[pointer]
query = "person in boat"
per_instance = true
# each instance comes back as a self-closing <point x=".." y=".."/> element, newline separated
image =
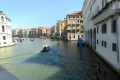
<point x="44" y="48"/>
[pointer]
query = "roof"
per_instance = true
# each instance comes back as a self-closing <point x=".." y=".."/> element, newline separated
<point x="76" y="12"/>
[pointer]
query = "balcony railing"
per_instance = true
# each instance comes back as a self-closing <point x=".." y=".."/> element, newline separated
<point x="68" y="28"/>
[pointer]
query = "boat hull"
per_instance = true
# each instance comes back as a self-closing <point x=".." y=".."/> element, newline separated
<point x="45" y="50"/>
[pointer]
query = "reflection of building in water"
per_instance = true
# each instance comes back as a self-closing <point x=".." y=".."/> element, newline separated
<point x="6" y="52"/>
<point x="5" y="30"/>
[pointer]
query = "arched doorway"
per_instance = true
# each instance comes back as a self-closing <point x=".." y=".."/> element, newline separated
<point x="94" y="38"/>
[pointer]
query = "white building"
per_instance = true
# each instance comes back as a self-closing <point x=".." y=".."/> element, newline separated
<point x="101" y="19"/>
<point x="15" y="32"/>
<point x="26" y="33"/>
<point x="5" y="30"/>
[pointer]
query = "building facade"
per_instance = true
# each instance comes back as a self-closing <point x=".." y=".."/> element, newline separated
<point x="58" y="29"/>
<point x="53" y="32"/>
<point x="63" y="29"/>
<point x="21" y="33"/>
<point x="15" y="32"/>
<point x="26" y="33"/>
<point x="48" y="32"/>
<point x="102" y="29"/>
<point x="5" y="30"/>
<point x="39" y="32"/>
<point x="32" y="33"/>
<point x="44" y="31"/>
<point x="74" y="26"/>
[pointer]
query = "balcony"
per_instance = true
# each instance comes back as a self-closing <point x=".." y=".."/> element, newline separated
<point x="78" y="27"/>
<point x="77" y="24"/>
<point x="111" y="9"/>
<point x="68" y="27"/>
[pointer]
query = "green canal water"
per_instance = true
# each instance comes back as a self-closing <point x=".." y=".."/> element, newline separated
<point x="62" y="62"/>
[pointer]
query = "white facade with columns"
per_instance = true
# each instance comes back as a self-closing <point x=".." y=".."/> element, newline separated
<point x="101" y="21"/>
<point x="5" y="30"/>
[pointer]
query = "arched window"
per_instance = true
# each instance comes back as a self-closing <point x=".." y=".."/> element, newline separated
<point x="2" y="19"/>
<point x="3" y="29"/>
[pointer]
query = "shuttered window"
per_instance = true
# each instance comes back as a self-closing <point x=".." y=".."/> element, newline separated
<point x="114" y="26"/>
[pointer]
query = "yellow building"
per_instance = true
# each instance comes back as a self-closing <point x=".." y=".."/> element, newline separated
<point x="63" y="29"/>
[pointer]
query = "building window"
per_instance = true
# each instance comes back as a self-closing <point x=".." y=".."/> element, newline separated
<point x="97" y="41"/>
<point x="81" y="16"/>
<point x="69" y="17"/>
<point x="97" y="30"/>
<point x="61" y="29"/>
<point x="104" y="28"/>
<point x="81" y="21"/>
<point x="3" y="29"/>
<point x="114" y="26"/>
<point x="70" y="37"/>
<point x="114" y="46"/>
<point x="105" y="44"/>
<point x="74" y="36"/>
<point x="4" y="37"/>
<point x="81" y="31"/>
<point x="4" y="42"/>
<point x="102" y="43"/>
<point x="73" y="17"/>
<point x="2" y="19"/>
<point x="78" y="16"/>
<point x="78" y="21"/>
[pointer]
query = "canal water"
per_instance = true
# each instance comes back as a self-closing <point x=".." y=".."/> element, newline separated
<point x="63" y="62"/>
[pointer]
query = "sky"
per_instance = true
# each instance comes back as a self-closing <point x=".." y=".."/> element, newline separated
<point x="38" y="13"/>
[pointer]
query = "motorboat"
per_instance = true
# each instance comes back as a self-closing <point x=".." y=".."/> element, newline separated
<point x="32" y="39"/>
<point x="46" y="48"/>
